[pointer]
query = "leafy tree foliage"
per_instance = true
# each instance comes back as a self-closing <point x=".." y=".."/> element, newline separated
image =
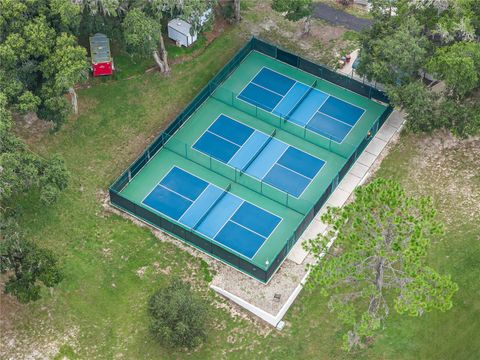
<point x="22" y="170"/>
<point x="142" y="33"/>
<point x="39" y="55"/>
<point x="459" y="66"/>
<point x="29" y="265"/>
<point x="178" y="316"/>
<point x="294" y="9"/>
<point x="438" y="36"/>
<point x="420" y="104"/>
<point x="396" y="56"/>
<point x="382" y="239"/>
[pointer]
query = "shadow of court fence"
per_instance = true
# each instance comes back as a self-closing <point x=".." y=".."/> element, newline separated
<point x="193" y="237"/>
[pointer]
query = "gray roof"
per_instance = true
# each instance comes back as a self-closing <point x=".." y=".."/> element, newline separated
<point x="100" y="48"/>
<point x="180" y="25"/>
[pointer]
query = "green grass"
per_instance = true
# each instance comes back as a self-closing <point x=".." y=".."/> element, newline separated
<point x="103" y="296"/>
<point x="175" y="51"/>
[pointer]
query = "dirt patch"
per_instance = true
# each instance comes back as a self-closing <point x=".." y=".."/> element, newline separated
<point x="324" y="43"/>
<point x="30" y="128"/>
<point x="448" y="167"/>
<point x="18" y="344"/>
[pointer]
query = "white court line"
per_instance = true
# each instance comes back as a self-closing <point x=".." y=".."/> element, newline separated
<point x="267" y="68"/>
<point x="198" y="197"/>
<point x="267" y="89"/>
<point x="221" y="137"/>
<point x="296" y="172"/>
<point x="334" y="119"/>
<point x="206" y="236"/>
<point x="338" y="86"/>
<point x="261" y="179"/>
<point x="328" y="96"/>
<point x="231" y="215"/>
<point x="248" y="229"/>
<point x="270" y="168"/>
<point x="286" y="94"/>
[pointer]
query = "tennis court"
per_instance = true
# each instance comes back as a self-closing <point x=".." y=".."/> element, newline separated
<point x="302" y="104"/>
<point x="260" y="155"/>
<point x="221" y="216"/>
<point x="233" y="178"/>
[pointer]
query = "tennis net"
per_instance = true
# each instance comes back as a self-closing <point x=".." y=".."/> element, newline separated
<point x="225" y="191"/>
<point x="299" y="102"/>
<point x="272" y="135"/>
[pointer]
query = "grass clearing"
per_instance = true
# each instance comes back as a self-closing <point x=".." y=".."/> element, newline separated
<point x="112" y="266"/>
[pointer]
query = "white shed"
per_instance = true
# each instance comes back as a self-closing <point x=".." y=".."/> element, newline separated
<point x="179" y="31"/>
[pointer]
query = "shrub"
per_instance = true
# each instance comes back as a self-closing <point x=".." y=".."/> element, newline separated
<point x="178" y="316"/>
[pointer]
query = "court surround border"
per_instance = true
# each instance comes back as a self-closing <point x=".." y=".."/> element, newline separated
<point x="260" y="273"/>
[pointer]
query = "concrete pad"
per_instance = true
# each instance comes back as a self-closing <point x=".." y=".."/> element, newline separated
<point x="358" y="169"/>
<point x="338" y="198"/>
<point x="386" y="132"/>
<point x="366" y="159"/>
<point x="315" y="228"/>
<point x="376" y="146"/>
<point x="297" y="254"/>
<point x="322" y="228"/>
<point x="349" y="182"/>
<point x="395" y="120"/>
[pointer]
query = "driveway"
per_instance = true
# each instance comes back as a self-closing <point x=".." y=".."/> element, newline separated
<point x="338" y="17"/>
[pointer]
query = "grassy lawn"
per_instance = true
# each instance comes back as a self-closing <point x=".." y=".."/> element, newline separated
<point x="112" y="265"/>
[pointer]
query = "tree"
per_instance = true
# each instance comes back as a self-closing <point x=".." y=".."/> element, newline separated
<point x="65" y="66"/>
<point x="459" y="66"/>
<point x="28" y="265"/>
<point x="143" y="35"/>
<point x="295" y="10"/>
<point x="22" y="170"/>
<point x="462" y="118"/>
<point x="420" y="104"/>
<point x="178" y="316"/>
<point x="236" y="10"/>
<point x="40" y="57"/>
<point x="393" y="56"/>
<point x="382" y="238"/>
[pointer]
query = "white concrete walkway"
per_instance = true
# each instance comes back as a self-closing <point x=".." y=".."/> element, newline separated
<point x="288" y="282"/>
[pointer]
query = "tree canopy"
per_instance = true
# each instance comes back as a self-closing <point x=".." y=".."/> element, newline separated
<point x="24" y="172"/>
<point x="40" y="56"/>
<point x="378" y="261"/>
<point x="409" y="37"/>
<point x="178" y="315"/>
<point x="294" y="9"/>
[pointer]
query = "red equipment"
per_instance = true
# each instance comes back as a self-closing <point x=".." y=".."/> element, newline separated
<point x="102" y="62"/>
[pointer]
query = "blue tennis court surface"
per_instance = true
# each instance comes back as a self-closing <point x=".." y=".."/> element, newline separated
<point x="260" y="155"/>
<point x="214" y="212"/>
<point x="300" y="104"/>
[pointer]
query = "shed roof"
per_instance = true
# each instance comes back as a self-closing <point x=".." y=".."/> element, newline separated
<point x="100" y="48"/>
<point x="180" y="25"/>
